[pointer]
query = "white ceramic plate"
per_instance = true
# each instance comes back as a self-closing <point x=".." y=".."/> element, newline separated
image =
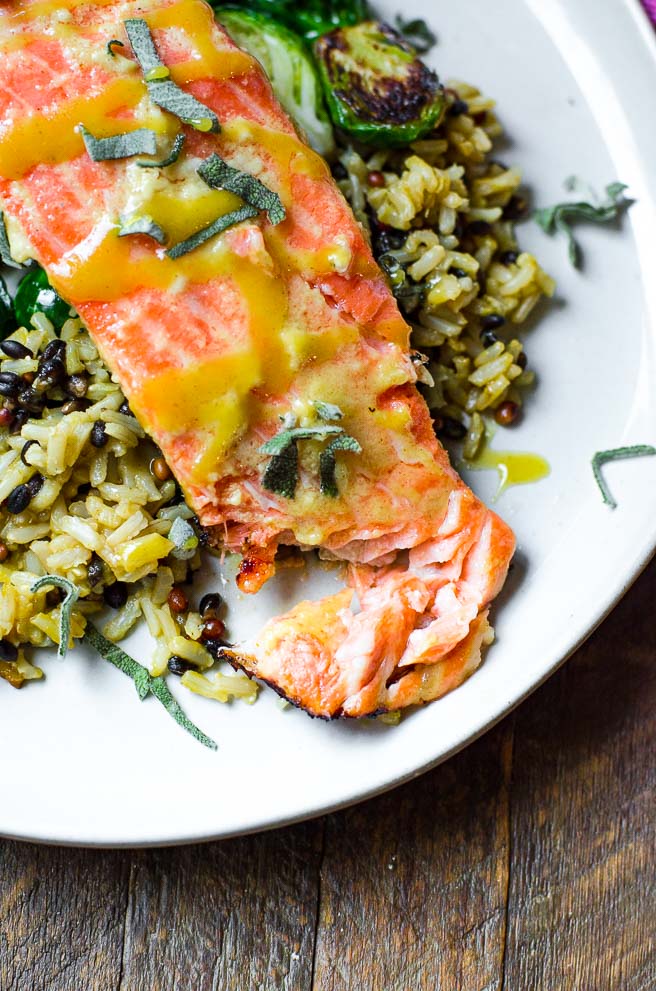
<point x="83" y="761"/>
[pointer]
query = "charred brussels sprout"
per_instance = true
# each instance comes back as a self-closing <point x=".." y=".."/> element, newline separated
<point x="376" y="88"/>
<point x="290" y="68"/>
<point x="309" y="18"/>
<point x="36" y="295"/>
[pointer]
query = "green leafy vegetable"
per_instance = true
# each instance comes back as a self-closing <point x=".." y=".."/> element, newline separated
<point x="111" y="44"/>
<point x="281" y="473"/>
<point x="162" y="90"/>
<point x="143" y="225"/>
<point x="327" y="411"/>
<point x="5" y="249"/>
<point x="416" y="32"/>
<point x="221" y="224"/>
<point x="376" y="88"/>
<point x="328" y="463"/>
<point x="310" y="18"/>
<point x="7" y="315"/>
<point x="558" y="218"/>
<point x="140" y="142"/>
<point x="36" y="295"/>
<point x="66" y="608"/>
<point x="290" y="69"/>
<point x="616" y="454"/>
<point x="171" y="158"/>
<point x="219" y="175"/>
<point x="144" y="682"/>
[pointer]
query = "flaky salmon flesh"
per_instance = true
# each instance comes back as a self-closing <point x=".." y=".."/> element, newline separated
<point x="273" y="325"/>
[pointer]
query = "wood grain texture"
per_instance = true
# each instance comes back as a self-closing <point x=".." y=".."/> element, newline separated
<point x="582" y="899"/>
<point x="526" y="862"/>
<point x="414" y="884"/>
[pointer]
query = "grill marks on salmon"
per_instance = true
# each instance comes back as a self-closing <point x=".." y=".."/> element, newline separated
<point x="215" y="348"/>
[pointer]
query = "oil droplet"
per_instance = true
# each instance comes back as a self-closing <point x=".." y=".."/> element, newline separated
<point x="159" y="72"/>
<point x="512" y="467"/>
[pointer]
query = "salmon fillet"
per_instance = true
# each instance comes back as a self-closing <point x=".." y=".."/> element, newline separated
<point x="257" y="330"/>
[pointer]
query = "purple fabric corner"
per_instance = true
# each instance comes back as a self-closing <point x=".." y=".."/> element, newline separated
<point x="650" y="7"/>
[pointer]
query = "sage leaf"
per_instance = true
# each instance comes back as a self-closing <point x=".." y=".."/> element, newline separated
<point x="221" y="224"/>
<point x="144" y="682"/>
<point x="5" y="249"/>
<point x="328" y="462"/>
<point x="558" y="218"/>
<point x="219" y="175"/>
<point x="143" y="141"/>
<point x="162" y="90"/>
<point x="616" y="454"/>
<point x="66" y="608"/>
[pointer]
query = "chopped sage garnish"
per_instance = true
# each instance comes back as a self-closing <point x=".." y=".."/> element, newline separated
<point x="558" y="218"/>
<point x="327" y="411"/>
<point x="219" y="175"/>
<point x="140" y="142"/>
<point x="328" y="462"/>
<point x="5" y="249"/>
<point x="221" y="224"/>
<point x="281" y="473"/>
<point x="142" y="225"/>
<point x="171" y="158"/>
<point x="161" y="89"/>
<point x="616" y="454"/>
<point x="111" y="44"/>
<point x="144" y="682"/>
<point x="66" y="608"/>
<point x="416" y="32"/>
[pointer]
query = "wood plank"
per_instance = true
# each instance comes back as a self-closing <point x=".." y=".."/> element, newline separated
<point x="582" y="904"/>
<point x="62" y="915"/>
<point x="414" y="884"/>
<point x="232" y="916"/>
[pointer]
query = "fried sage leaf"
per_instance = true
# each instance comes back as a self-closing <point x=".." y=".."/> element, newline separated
<point x="161" y="89"/>
<point x="144" y="682"/>
<point x="219" y="175"/>
<point x="143" y="141"/>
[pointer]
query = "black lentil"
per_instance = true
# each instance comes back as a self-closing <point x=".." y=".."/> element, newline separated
<point x="95" y="571"/>
<point x="178" y="665"/>
<point x="14" y="349"/>
<point x="18" y="500"/>
<point x="488" y="338"/>
<point x="339" y="172"/>
<point x="54" y="597"/>
<point x="51" y="372"/>
<point x="515" y="208"/>
<point x="458" y="272"/>
<point x="521" y="360"/>
<point x="35" y="483"/>
<point x="10" y="384"/>
<point x="479" y="227"/>
<point x="75" y="406"/>
<point x="453" y="429"/>
<point x="55" y="349"/>
<point x="116" y="595"/>
<point x="8" y="651"/>
<point x="29" y="399"/>
<point x="492" y="321"/>
<point x="98" y="434"/>
<point x="509" y="257"/>
<point x="210" y="604"/>
<point x="457" y="108"/>
<point x="77" y="386"/>
<point x="21" y="417"/>
<point x="124" y="408"/>
<point x="26" y="446"/>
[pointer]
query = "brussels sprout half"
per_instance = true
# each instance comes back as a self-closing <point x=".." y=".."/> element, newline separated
<point x="376" y="88"/>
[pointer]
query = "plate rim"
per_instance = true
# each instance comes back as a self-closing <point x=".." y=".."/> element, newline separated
<point x="645" y="35"/>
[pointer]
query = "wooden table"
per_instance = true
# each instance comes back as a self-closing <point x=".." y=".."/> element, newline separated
<point x="526" y="863"/>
